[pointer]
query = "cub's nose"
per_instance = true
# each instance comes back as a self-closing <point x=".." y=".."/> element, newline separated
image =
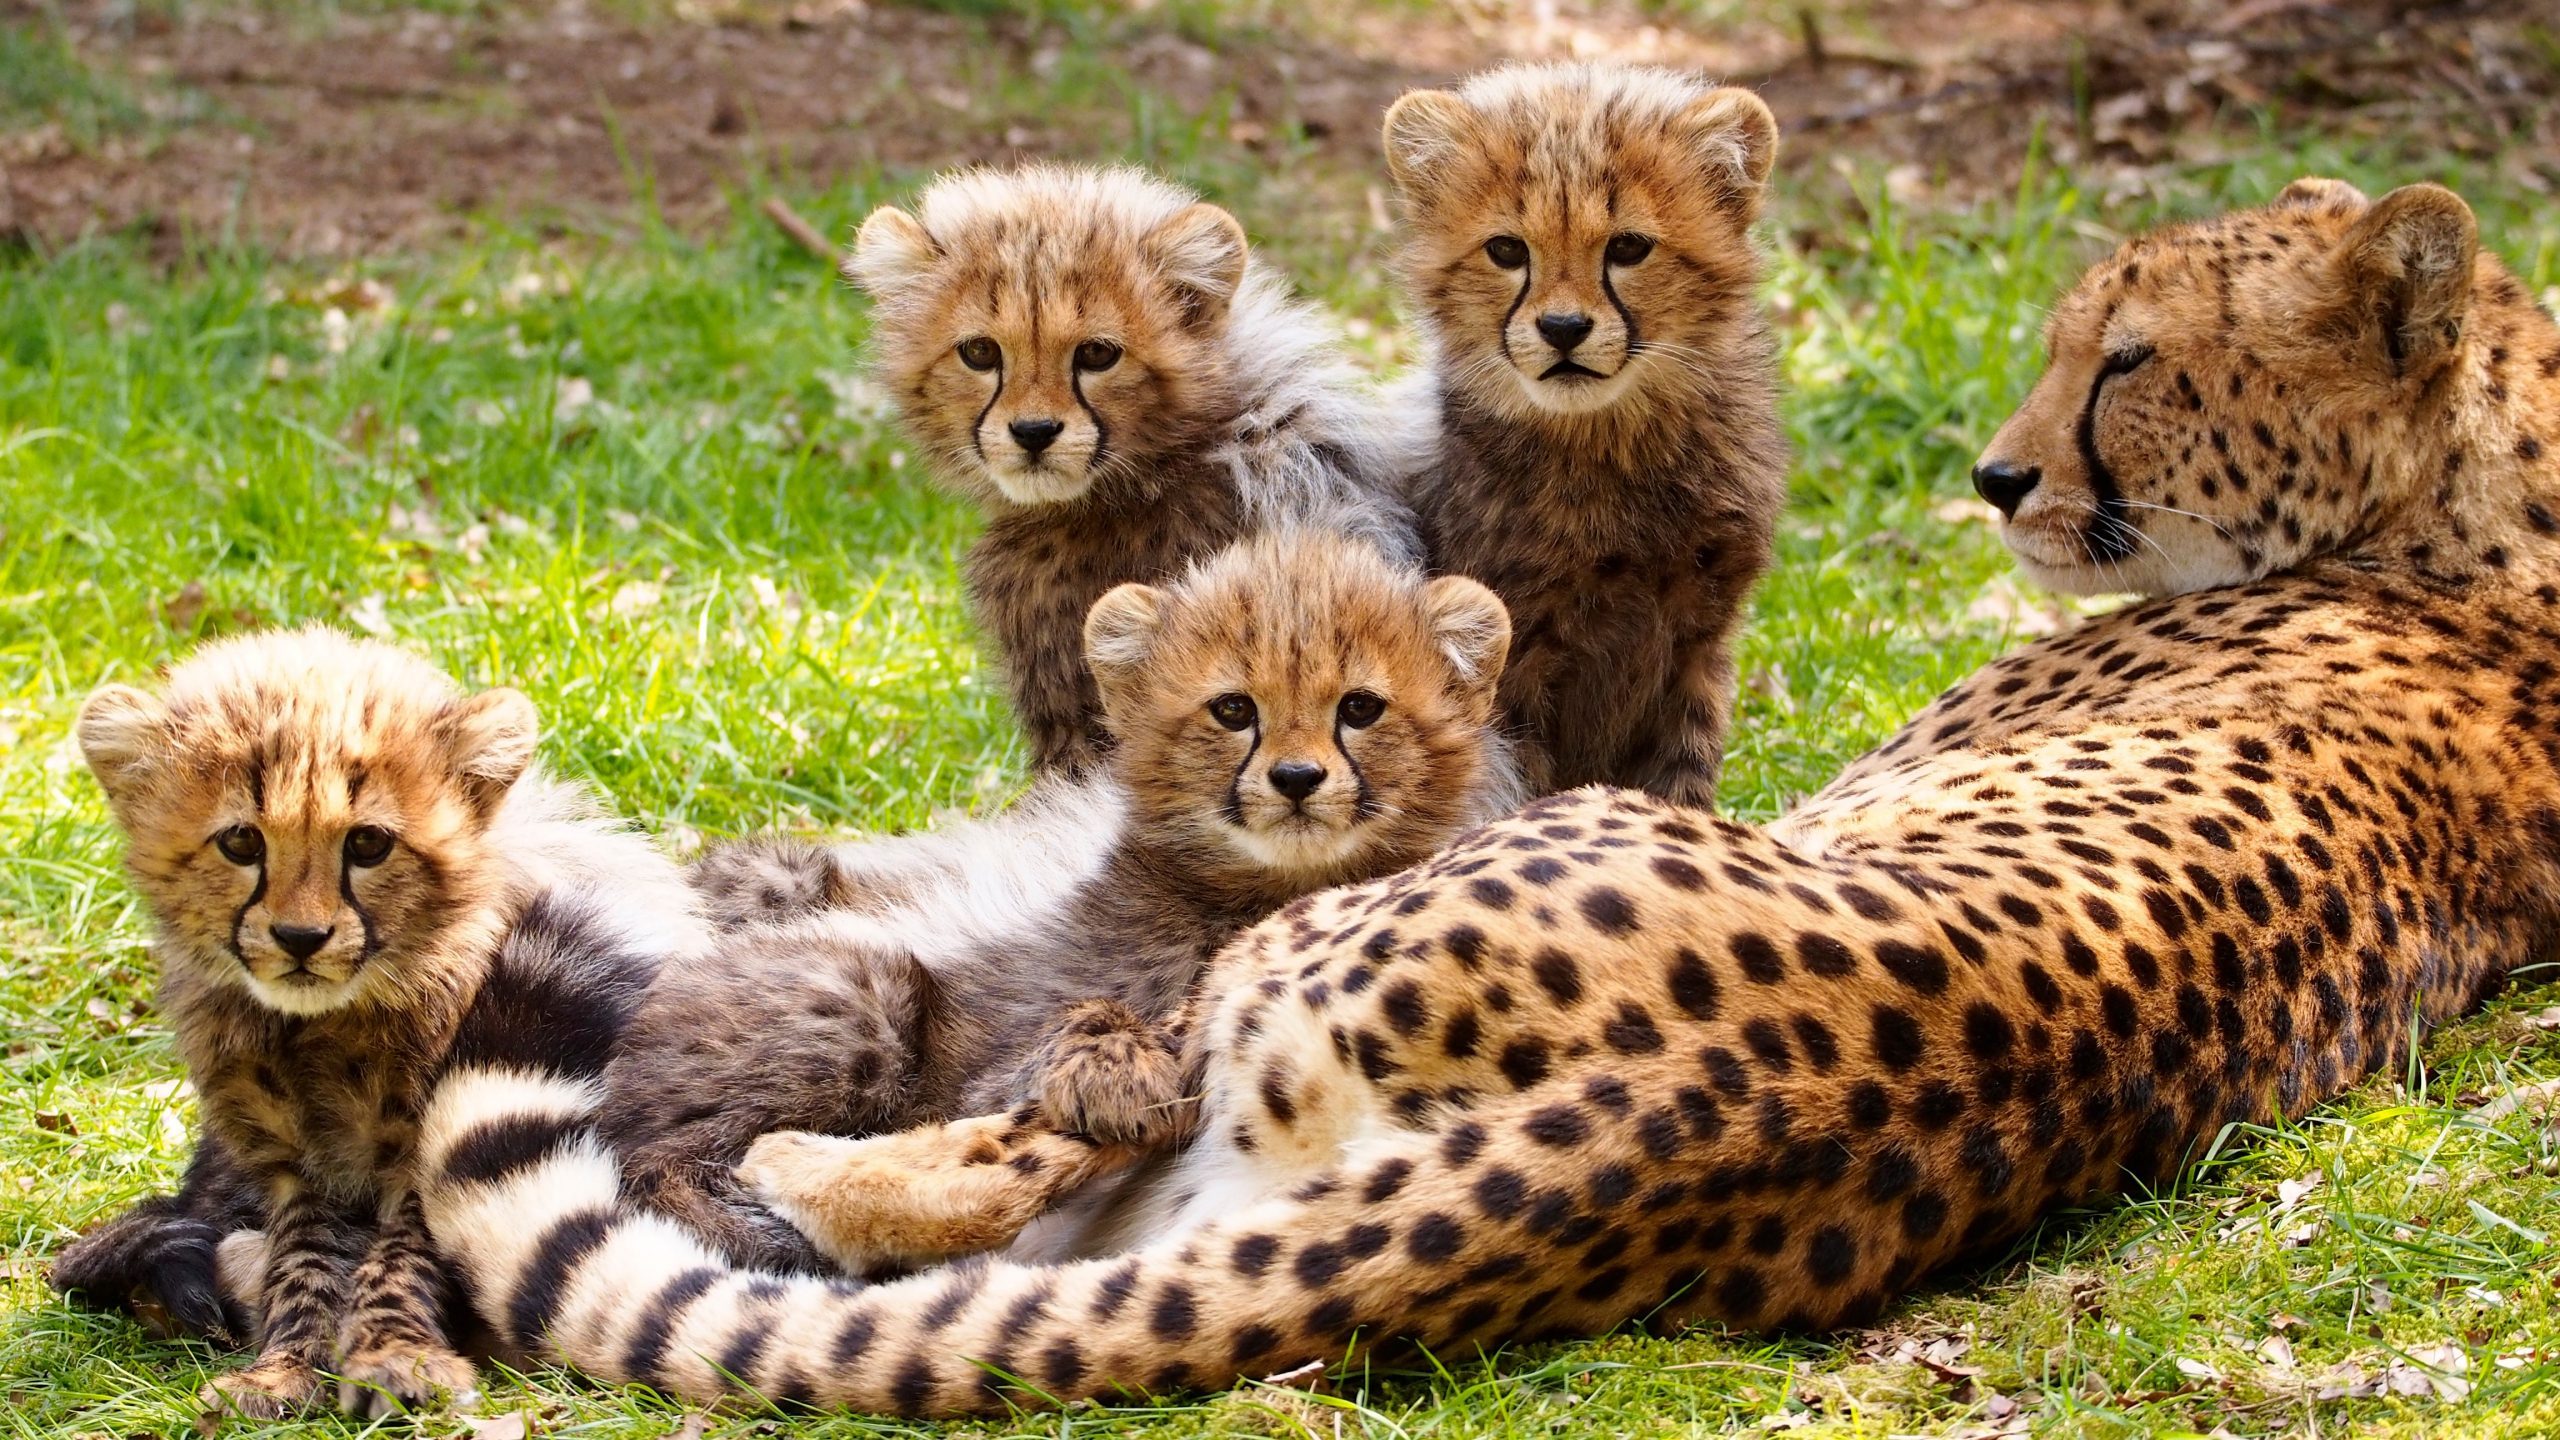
<point x="1296" y="779"/>
<point x="301" y="941"/>
<point x="1034" y="435"/>
<point x="2004" y="484"/>
<point x="1565" y="331"/>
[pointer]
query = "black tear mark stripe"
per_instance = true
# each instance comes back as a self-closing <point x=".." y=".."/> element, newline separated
<point x="1626" y="317"/>
<point x="2109" y="542"/>
<point x="1364" y="799"/>
<point x="1235" y="782"/>
<point x="240" y="917"/>
<point x="1503" y="335"/>
<point x="1101" y="432"/>
<point x="977" y="429"/>
<point x="364" y="918"/>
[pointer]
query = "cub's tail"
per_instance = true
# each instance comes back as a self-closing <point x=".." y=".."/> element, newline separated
<point x="1425" y="1236"/>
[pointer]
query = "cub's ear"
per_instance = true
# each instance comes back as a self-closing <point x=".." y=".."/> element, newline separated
<point x="489" y="738"/>
<point x="2404" y="270"/>
<point x="2316" y="192"/>
<point x="1425" y="130"/>
<point x="1735" y="139"/>
<point x="1200" y="251"/>
<point x="890" y="251"/>
<point x="1473" y="631"/>
<point x="1120" y="632"/>
<point x="121" y="730"/>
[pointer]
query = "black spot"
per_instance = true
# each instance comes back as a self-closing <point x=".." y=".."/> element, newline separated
<point x="1830" y="1255"/>
<point x="1987" y="1032"/>
<point x="1632" y="1031"/>
<point x="1609" y="911"/>
<point x="1693" y="986"/>
<point x="1558" y="1125"/>
<point x="1435" y="1239"/>
<point x="1758" y="958"/>
<point x="1919" y="967"/>
<point x="1898" y="1040"/>
<point x="1825" y="955"/>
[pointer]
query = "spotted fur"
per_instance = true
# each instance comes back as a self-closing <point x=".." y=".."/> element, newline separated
<point x="333" y="842"/>
<point x="1578" y="260"/>
<point x="2205" y="860"/>
<point x="1092" y="357"/>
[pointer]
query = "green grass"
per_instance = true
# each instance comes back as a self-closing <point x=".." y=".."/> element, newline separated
<point x="639" y="476"/>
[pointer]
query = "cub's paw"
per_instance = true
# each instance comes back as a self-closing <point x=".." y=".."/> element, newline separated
<point x="271" y="1389"/>
<point x="379" y="1381"/>
<point x="1109" y="1074"/>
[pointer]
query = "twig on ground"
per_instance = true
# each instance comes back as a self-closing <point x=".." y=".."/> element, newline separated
<point x="802" y="233"/>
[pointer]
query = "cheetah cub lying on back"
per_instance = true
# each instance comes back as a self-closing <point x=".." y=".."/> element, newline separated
<point x="1578" y="258"/>
<point x="342" y="853"/>
<point x="1091" y="356"/>
<point x="1291" y="714"/>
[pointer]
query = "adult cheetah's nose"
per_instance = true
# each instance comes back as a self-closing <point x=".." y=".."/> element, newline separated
<point x="1297" y="779"/>
<point x="1034" y="435"/>
<point x="2006" y="485"/>
<point x="1565" y="331"/>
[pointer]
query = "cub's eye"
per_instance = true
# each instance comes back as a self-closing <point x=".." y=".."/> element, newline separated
<point x="1628" y="249"/>
<point x="1508" y="251"/>
<point x="1360" y="709"/>
<point x="1232" y="710"/>
<point x="368" y="845"/>
<point x="980" y="353"/>
<point x="241" y="845"/>
<point x="1097" y="355"/>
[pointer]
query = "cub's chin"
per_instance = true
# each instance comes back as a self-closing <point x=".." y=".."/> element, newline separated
<point x="1049" y="483"/>
<point x="1299" y="845"/>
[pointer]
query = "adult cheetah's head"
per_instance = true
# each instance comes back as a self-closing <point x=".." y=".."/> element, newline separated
<point x="2230" y="398"/>
<point x="1297" y="712"/>
<point x="1577" y="235"/>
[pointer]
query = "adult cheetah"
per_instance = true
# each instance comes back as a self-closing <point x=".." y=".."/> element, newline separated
<point x="2206" y="859"/>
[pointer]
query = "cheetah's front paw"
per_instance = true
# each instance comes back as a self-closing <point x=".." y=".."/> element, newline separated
<point x="270" y="1389"/>
<point x="923" y="1195"/>
<point x="383" y="1380"/>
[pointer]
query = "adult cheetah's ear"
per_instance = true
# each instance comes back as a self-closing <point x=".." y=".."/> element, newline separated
<point x="1473" y="631"/>
<point x="1425" y="130"/>
<point x="1735" y="138"/>
<point x="489" y="739"/>
<point x="1120" y="634"/>
<point x="122" y="730"/>
<point x="890" y="252"/>
<point x="2315" y="192"/>
<point x="1200" y="251"/>
<point x="2405" y="270"/>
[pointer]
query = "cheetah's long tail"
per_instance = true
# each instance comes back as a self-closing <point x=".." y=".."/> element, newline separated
<point x="1427" y="1236"/>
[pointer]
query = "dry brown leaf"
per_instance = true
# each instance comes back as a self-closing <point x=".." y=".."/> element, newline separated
<point x="53" y="1124"/>
<point x="179" y="611"/>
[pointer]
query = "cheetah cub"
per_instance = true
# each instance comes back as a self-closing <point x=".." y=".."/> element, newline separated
<point x="1578" y="261"/>
<point x="337" y="848"/>
<point x="1091" y="357"/>
<point x="1292" y="714"/>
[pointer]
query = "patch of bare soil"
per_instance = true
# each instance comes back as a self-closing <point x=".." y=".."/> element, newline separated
<point x="322" y="133"/>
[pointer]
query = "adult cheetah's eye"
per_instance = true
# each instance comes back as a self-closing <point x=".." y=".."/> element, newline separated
<point x="1508" y="251"/>
<point x="980" y="353"/>
<point x="241" y="845"/>
<point x="1359" y="710"/>
<point x="1097" y="355"/>
<point x="368" y="845"/>
<point x="2126" y="359"/>
<point x="1232" y="710"/>
<point x="1628" y="249"/>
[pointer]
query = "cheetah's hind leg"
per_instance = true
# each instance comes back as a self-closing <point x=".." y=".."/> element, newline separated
<point x="918" y="1197"/>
